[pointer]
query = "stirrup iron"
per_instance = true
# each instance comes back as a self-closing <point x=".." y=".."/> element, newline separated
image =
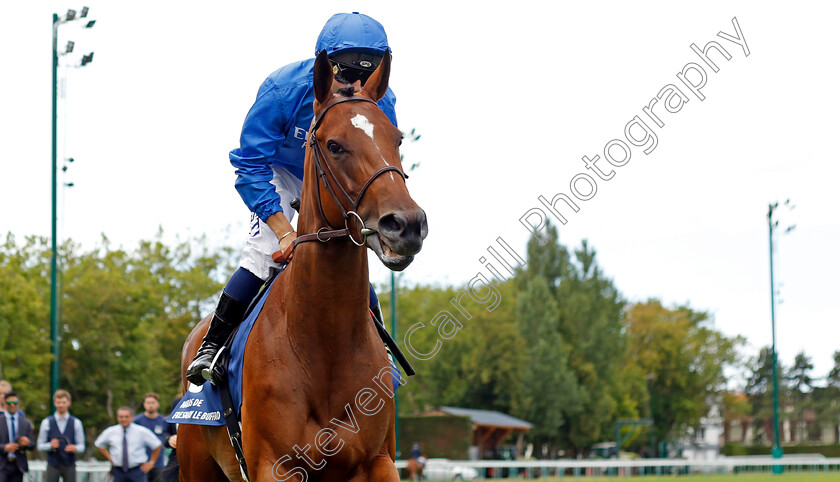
<point x="208" y="373"/>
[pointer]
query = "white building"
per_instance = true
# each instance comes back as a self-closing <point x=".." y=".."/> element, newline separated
<point x="704" y="443"/>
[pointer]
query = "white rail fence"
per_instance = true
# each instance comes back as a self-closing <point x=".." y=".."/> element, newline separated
<point x="490" y="469"/>
<point x="100" y="471"/>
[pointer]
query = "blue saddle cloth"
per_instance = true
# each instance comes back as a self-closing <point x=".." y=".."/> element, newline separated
<point x="203" y="405"/>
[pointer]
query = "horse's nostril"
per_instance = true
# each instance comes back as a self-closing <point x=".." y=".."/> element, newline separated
<point x="390" y="224"/>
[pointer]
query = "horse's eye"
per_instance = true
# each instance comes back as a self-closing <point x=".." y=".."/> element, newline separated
<point x="401" y="139"/>
<point x="334" y="147"/>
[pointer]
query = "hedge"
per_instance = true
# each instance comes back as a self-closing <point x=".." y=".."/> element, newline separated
<point x="446" y="436"/>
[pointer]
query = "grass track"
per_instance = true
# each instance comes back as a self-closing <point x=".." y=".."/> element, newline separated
<point x="787" y="477"/>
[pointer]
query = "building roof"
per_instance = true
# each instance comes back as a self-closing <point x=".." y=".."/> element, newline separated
<point x="488" y="417"/>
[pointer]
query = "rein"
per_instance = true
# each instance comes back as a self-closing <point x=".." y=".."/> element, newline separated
<point x="322" y="169"/>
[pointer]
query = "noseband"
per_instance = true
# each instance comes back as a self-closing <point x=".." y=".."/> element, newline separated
<point x="323" y="169"/>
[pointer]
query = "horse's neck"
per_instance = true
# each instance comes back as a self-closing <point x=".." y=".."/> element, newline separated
<point x="327" y="283"/>
<point x="327" y="286"/>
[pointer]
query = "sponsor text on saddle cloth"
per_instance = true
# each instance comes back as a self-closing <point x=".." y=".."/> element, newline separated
<point x="203" y="405"/>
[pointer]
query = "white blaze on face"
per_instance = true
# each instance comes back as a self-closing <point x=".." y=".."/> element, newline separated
<point x="362" y="122"/>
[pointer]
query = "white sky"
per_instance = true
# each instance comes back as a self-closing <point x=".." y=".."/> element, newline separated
<point x="508" y="97"/>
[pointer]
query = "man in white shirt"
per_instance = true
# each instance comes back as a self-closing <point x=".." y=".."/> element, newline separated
<point x="61" y="437"/>
<point x="124" y="445"/>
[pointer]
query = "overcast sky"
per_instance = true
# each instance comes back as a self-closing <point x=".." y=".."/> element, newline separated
<point x="508" y="98"/>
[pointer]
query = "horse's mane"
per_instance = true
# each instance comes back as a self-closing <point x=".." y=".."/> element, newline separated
<point x="347" y="91"/>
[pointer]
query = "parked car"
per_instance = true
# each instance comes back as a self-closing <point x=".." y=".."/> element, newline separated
<point x="445" y="469"/>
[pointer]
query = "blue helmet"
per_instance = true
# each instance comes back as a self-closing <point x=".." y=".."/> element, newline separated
<point x="355" y="44"/>
<point x="352" y="32"/>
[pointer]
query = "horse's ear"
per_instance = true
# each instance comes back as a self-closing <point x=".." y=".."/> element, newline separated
<point x="322" y="77"/>
<point x="377" y="84"/>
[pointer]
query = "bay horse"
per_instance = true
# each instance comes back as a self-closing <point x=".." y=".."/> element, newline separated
<point x="313" y="400"/>
<point x="415" y="470"/>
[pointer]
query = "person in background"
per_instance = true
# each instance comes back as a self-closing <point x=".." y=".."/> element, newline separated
<point x="125" y="444"/>
<point x="5" y="387"/>
<point x="171" y="471"/>
<point x="16" y="439"/>
<point x="155" y="422"/>
<point x="61" y="436"/>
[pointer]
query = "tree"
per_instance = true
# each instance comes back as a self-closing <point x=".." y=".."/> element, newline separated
<point x="827" y="400"/>
<point x="124" y="315"/>
<point x="685" y="359"/>
<point x="588" y="322"/>
<point x="25" y="355"/>
<point x="760" y="390"/>
<point x="549" y="393"/>
<point x="800" y="384"/>
<point x="125" y="318"/>
<point x="480" y="366"/>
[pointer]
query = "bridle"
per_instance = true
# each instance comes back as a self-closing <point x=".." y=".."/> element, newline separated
<point x="322" y="170"/>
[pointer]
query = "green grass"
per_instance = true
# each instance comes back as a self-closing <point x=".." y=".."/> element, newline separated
<point x="787" y="477"/>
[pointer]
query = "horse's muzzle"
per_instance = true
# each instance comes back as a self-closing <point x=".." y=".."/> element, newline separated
<point x="404" y="231"/>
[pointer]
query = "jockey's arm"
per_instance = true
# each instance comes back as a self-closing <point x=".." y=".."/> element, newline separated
<point x="281" y="226"/>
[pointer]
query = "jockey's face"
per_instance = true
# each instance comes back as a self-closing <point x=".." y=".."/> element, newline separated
<point x="350" y="67"/>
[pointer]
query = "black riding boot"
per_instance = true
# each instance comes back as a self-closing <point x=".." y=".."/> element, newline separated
<point x="228" y="316"/>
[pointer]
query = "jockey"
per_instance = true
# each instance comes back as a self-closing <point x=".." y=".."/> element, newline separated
<point x="269" y="165"/>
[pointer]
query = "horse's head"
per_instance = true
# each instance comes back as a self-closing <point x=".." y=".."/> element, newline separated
<point x="358" y="181"/>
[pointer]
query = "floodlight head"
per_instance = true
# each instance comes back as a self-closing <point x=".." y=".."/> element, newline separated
<point x="84" y="13"/>
<point x="90" y="24"/>
<point x="87" y="59"/>
<point x="71" y="15"/>
<point x="69" y="184"/>
<point x="70" y="160"/>
<point x="70" y="45"/>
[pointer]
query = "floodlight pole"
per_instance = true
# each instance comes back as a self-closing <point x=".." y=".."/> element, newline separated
<point x="54" y="371"/>
<point x="777" y="446"/>
<point x="55" y="337"/>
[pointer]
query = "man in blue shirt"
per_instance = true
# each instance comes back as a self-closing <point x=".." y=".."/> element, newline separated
<point x="155" y="422"/>
<point x="171" y="473"/>
<point x="61" y="437"/>
<point x="269" y="164"/>
<point x="124" y="446"/>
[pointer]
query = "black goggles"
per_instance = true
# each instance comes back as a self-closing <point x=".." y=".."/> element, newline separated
<point x="349" y="67"/>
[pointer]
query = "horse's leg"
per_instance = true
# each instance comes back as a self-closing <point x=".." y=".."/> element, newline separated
<point x="380" y="469"/>
<point x="196" y="463"/>
<point x="219" y="443"/>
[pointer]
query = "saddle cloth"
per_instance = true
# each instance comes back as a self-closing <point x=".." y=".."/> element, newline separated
<point x="202" y="405"/>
